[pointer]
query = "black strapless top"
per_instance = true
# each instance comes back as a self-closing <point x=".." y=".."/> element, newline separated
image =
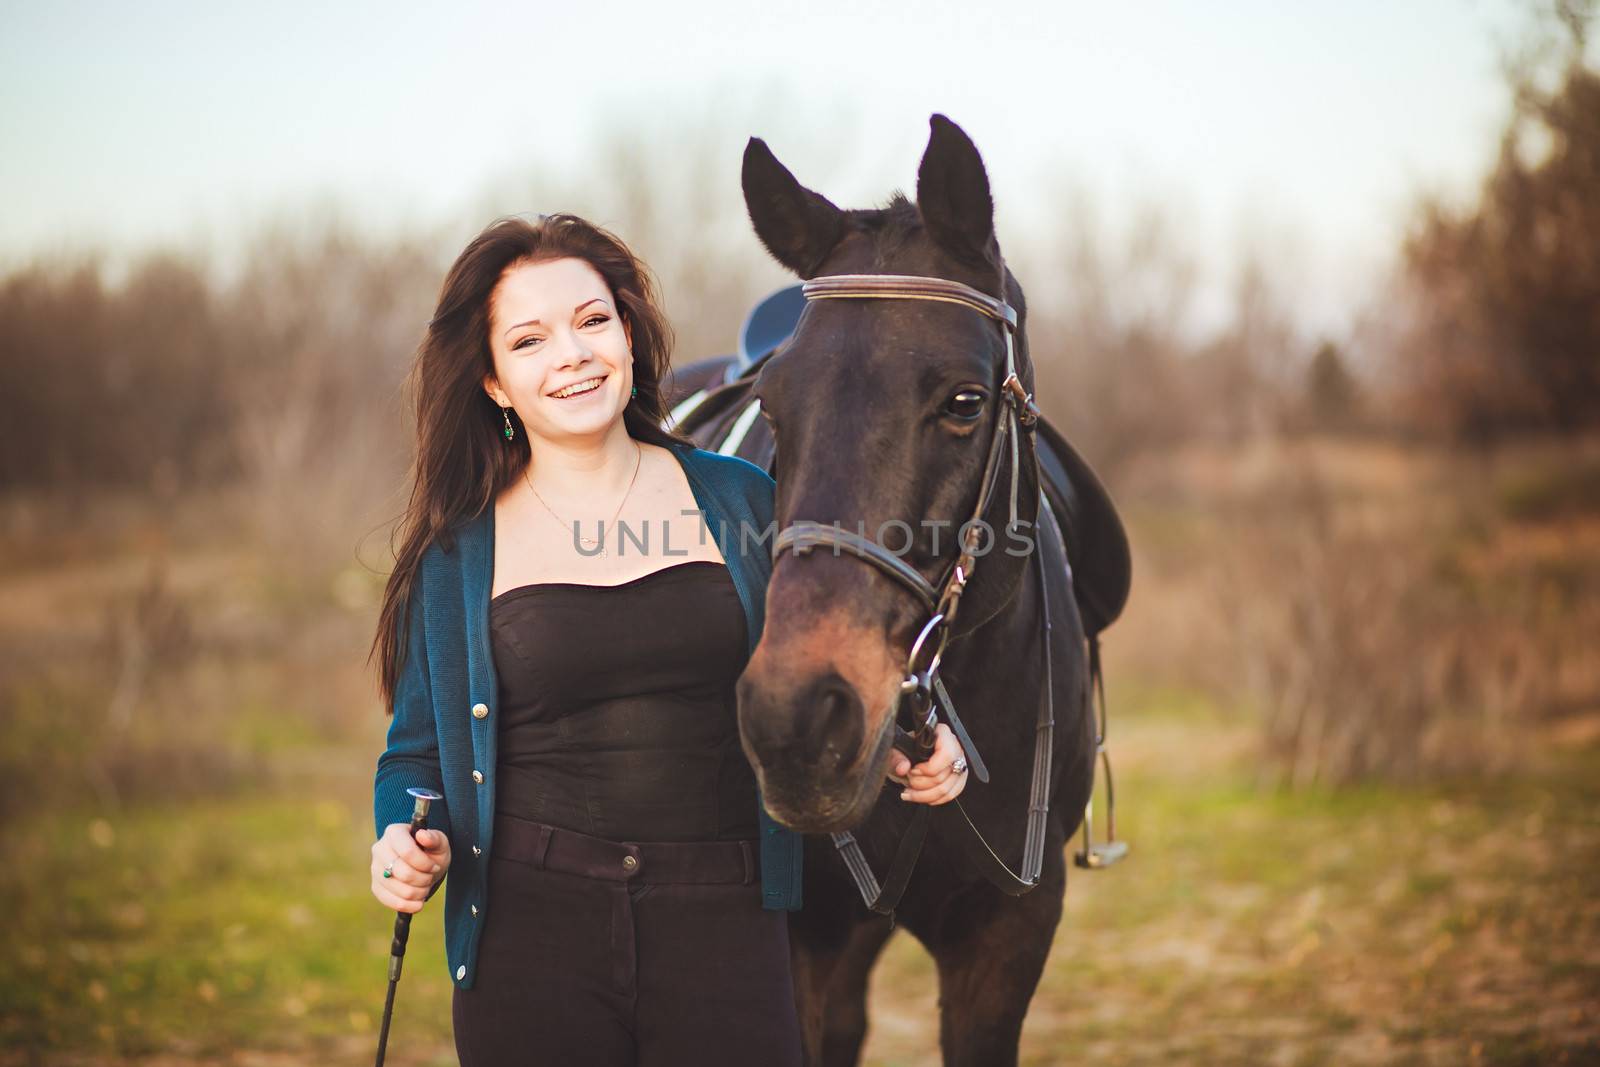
<point x="617" y="706"/>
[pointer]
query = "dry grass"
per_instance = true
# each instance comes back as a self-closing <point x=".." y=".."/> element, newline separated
<point x="1379" y="610"/>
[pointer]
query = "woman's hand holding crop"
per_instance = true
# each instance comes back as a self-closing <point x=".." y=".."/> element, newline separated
<point x="415" y="865"/>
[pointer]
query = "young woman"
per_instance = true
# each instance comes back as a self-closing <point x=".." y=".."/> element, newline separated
<point x="576" y="593"/>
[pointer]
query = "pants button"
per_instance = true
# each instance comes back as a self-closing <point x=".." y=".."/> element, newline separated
<point x="630" y="863"/>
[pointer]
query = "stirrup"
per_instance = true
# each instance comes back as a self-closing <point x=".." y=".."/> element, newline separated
<point x="1097" y="857"/>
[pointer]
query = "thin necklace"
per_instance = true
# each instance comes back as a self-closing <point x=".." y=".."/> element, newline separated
<point x="590" y="542"/>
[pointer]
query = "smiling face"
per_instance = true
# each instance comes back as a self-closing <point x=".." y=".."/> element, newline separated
<point x="562" y="352"/>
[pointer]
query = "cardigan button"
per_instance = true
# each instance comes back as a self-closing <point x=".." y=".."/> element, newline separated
<point x="477" y="776"/>
<point x="461" y="972"/>
<point x="476" y="851"/>
<point x="474" y="909"/>
<point x="480" y="711"/>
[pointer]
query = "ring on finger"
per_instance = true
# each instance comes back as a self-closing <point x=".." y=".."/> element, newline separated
<point x="388" y="871"/>
<point x="960" y="765"/>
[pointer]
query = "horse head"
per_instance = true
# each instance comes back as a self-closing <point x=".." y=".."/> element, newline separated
<point x="884" y="412"/>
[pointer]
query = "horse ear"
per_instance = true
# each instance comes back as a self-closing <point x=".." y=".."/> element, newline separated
<point x="799" y="227"/>
<point x="953" y="193"/>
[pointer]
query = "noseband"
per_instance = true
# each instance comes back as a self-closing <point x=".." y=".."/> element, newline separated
<point x="940" y="601"/>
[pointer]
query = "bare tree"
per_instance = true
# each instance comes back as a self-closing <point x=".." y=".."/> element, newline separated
<point x="1506" y="334"/>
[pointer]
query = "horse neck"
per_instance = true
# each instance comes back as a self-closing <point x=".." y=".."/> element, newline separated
<point x="995" y="674"/>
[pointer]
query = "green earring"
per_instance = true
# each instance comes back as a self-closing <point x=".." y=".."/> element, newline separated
<point x="505" y="413"/>
<point x="636" y="390"/>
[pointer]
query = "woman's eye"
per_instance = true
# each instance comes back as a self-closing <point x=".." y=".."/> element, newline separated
<point x="590" y="321"/>
<point x="967" y="404"/>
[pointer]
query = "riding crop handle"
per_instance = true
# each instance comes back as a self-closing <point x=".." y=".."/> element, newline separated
<point x="402" y="921"/>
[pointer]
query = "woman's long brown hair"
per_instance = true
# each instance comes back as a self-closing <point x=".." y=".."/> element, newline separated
<point x="463" y="460"/>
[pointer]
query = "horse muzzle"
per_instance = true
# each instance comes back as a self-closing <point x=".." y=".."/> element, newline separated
<point x="817" y="746"/>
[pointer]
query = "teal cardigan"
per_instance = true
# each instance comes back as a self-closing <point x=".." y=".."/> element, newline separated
<point x="446" y="702"/>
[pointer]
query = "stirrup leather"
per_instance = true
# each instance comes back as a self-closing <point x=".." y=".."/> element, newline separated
<point x="1092" y="856"/>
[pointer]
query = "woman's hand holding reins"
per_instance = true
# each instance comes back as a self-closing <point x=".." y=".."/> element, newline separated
<point x="935" y="780"/>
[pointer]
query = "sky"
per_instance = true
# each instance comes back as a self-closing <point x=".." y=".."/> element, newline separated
<point x="1307" y="129"/>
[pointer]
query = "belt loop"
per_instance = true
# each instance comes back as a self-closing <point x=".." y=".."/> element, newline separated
<point x="542" y="846"/>
<point x="745" y="850"/>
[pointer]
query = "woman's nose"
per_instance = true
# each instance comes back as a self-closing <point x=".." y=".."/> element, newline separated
<point x="575" y="351"/>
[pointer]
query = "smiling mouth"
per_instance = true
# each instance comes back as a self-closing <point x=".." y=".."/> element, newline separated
<point x="588" y="385"/>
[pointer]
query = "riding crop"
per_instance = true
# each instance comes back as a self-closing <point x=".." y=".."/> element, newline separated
<point x="402" y="921"/>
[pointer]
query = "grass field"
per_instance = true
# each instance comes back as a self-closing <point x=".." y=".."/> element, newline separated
<point x="1445" y="925"/>
<point x="187" y="756"/>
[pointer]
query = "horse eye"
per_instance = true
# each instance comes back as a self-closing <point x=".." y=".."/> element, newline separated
<point x="967" y="404"/>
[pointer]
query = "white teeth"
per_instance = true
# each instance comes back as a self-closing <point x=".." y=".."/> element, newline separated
<point x="581" y="387"/>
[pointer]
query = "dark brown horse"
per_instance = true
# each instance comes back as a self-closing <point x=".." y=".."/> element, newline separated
<point x="880" y="410"/>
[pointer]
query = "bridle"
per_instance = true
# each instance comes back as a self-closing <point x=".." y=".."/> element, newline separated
<point x="941" y="602"/>
<point x="921" y="691"/>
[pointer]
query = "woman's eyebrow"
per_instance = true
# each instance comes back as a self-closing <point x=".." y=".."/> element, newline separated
<point x="535" y="322"/>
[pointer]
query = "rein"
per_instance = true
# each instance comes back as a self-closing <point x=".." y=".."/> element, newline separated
<point x="922" y="693"/>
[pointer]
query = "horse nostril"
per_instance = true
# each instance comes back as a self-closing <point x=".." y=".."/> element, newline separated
<point x="831" y="728"/>
<point x="819" y="725"/>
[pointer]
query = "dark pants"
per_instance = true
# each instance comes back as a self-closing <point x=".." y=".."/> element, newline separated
<point x="607" y="953"/>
